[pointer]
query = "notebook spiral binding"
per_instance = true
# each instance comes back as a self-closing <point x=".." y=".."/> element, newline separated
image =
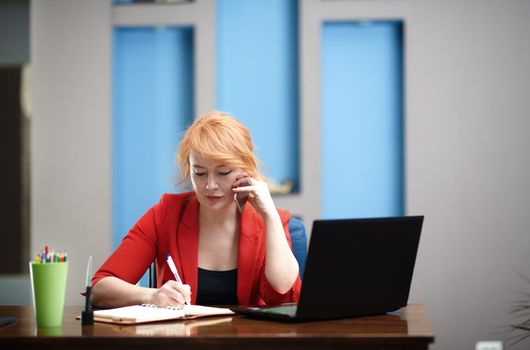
<point x="167" y="307"/>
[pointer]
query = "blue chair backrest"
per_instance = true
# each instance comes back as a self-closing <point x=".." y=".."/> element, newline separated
<point x="299" y="241"/>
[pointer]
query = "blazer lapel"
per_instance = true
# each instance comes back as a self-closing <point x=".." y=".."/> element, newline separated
<point x="188" y="245"/>
<point x="248" y="253"/>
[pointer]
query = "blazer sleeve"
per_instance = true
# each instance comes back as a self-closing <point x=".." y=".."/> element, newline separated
<point x="137" y="249"/>
<point x="268" y="294"/>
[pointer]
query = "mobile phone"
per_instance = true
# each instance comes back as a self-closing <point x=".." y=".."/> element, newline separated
<point x="241" y="198"/>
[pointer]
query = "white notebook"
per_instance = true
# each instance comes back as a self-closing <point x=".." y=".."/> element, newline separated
<point x="150" y="313"/>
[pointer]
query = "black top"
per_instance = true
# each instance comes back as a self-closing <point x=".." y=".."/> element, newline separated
<point x="217" y="287"/>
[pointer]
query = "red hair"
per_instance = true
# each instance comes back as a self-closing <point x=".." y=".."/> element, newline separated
<point x="220" y="137"/>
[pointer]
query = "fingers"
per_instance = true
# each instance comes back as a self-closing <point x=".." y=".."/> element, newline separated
<point x="183" y="290"/>
<point x="246" y="184"/>
<point x="173" y="293"/>
<point x="243" y="181"/>
<point x="244" y="187"/>
<point x="256" y="191"/>
<point x="246" y="190"/>
<point x="187" y="293"/>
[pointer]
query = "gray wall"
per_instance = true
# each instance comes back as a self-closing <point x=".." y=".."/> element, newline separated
<point x="468" y="159"/>
<point x="468" y="106"/>
<point x="70" y="136"/>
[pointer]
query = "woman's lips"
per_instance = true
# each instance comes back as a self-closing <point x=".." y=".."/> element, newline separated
<point x="214" y="198"/>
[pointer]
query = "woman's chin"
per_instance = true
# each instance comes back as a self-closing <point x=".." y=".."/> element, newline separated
<point x="220" y="204"/>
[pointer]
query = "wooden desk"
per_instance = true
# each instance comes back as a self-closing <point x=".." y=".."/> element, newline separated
<point x="407" y="329"/>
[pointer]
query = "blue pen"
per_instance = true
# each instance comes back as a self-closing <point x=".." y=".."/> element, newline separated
<point x="173" y="269"/>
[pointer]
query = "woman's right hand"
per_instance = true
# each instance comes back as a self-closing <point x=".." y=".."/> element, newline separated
<point x="172" y="293"/>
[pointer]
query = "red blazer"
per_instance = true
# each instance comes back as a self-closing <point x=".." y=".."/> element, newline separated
<point x="172" y="226"/>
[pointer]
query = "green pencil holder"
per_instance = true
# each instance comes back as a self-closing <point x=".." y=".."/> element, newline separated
<point x="48" y="285"/>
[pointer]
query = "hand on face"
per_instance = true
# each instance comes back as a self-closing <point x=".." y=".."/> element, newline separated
<point x="257" y="193"/>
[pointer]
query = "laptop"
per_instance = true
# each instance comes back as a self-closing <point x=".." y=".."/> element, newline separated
<point x="354" y="267"/>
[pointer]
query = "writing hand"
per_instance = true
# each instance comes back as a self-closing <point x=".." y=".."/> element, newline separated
<point x="172" y="293"/>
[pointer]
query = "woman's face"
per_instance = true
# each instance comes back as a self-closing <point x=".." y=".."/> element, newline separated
<point x="212" y="182"/>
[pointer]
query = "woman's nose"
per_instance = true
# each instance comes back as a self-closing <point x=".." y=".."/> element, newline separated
<point x="211" y="184"/>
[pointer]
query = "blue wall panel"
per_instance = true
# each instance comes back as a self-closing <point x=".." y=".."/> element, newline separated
<point x="152" y="106"/>
<point x="362" y="119"/>
<point x="257" y="77"/>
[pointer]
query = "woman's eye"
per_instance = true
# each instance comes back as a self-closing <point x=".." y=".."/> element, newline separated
<point x="225" y="172"/>
<point x="199" y="174"/>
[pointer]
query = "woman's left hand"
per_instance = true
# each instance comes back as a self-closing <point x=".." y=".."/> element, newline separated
<point x="258" y="194"/>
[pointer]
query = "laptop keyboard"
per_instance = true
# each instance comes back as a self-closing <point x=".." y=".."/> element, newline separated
<point x="289" y="310"/>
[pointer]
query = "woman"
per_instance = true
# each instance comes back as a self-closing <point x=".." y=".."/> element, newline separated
<point x="225" y="250"/>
